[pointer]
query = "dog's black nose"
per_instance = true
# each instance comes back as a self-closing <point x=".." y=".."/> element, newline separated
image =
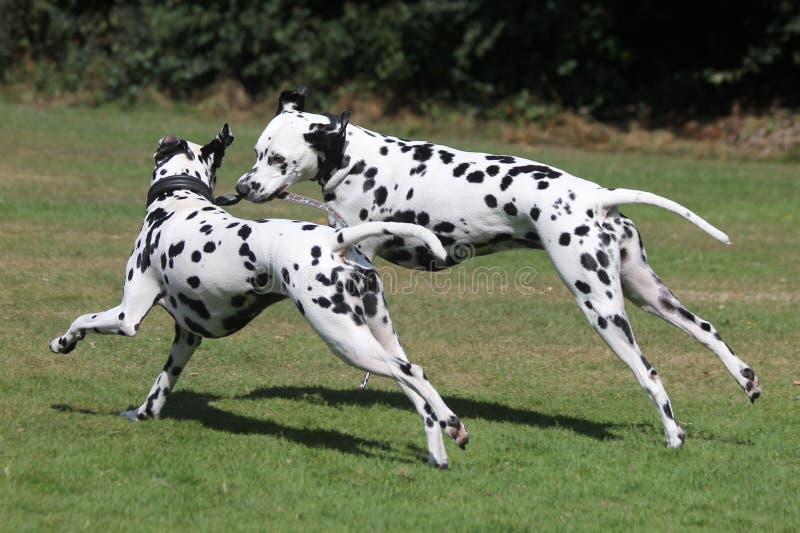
<point x="242" y="188"/>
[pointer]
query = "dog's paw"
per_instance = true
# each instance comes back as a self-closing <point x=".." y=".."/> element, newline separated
<point x="54" y="347"/>
<point x="433" y="463"/>
<point x="133" y="414"/>
<point x="60" y="345"/>
<point x="458" y="432"/>
<point x="752" y="387"/>
<point x="676" y="440"/>
<point x="753" y="390"/>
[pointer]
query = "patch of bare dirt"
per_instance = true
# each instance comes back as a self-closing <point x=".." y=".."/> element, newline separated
<point x="766" y="136"/>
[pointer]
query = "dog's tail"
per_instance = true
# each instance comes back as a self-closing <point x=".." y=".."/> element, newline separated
<point x="611" y="198"/>
<point x="347" y="237"/>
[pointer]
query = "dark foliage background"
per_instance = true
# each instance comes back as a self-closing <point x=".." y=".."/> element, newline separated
<point x="613" y="58"/>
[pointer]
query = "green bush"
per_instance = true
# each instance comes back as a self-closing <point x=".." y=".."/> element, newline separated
<point x="608" y="57"/>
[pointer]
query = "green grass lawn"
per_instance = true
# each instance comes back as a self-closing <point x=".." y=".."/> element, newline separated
<point x="267" y="430"/>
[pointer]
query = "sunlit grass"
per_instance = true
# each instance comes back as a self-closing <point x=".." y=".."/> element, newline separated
<point x="267" y="430"/>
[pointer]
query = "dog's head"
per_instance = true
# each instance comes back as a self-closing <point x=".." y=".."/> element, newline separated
<point x="175" y="156"/>
<point x="295" y="146"/>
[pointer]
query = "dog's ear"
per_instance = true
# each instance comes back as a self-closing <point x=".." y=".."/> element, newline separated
<point x="171" y="145"/>
<point x="294" y="100"/>
<point x="344" y="120"/>
<point x="225" y="136"/>
<point x="217" y="146"/>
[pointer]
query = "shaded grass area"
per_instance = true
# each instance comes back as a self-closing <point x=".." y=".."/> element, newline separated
<point x="266" y="430"/>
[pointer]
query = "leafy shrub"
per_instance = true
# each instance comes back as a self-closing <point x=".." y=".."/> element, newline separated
<point x="516" y="58"/>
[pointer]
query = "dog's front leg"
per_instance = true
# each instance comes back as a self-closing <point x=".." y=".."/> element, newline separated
<point x="101" y="322"/>
<point x="123" y="319"/>
<point x="183" y="347"/>
<point x="115" y="321"/>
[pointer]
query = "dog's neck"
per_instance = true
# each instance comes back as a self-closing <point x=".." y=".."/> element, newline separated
<point x="328" y="168"/>
<point x="332" y="180"/>
<point x="178" y="182"/>
<point x="356" y="137"/>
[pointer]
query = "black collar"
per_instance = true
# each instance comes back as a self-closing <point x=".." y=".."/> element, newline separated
<point x="180" y="182"/>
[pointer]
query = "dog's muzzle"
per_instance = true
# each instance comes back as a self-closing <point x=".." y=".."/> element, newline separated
<point x="246" y="191"/>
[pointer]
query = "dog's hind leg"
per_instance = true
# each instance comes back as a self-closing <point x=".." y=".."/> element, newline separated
<point x="380" y="324"/>
<point x="589" y="268"/>
<point x="138" y="298"/>
<point x="183" y="347"/>
<point x="353" y="342"/>
<point x="644" y="288"/>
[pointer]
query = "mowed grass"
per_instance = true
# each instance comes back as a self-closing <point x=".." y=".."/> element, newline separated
<point x="267" y="430"/>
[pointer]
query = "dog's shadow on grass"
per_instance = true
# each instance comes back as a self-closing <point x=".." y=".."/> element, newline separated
<point x="466" y="408"/>
<point x="194" y="406"/>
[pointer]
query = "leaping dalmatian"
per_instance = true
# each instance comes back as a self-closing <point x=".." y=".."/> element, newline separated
<point x="486" y="203"/>
<point x="214" y="273"/>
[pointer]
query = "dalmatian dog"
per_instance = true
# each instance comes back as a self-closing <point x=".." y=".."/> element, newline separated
<point x="484" y="203"/>
<point x="214" y="273"/>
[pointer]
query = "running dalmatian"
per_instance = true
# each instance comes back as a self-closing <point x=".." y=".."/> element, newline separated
<point x="485" y="203"/>
<point x="214" y="273"/>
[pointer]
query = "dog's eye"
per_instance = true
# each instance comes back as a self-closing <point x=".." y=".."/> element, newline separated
<point x="276" y="160"/>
